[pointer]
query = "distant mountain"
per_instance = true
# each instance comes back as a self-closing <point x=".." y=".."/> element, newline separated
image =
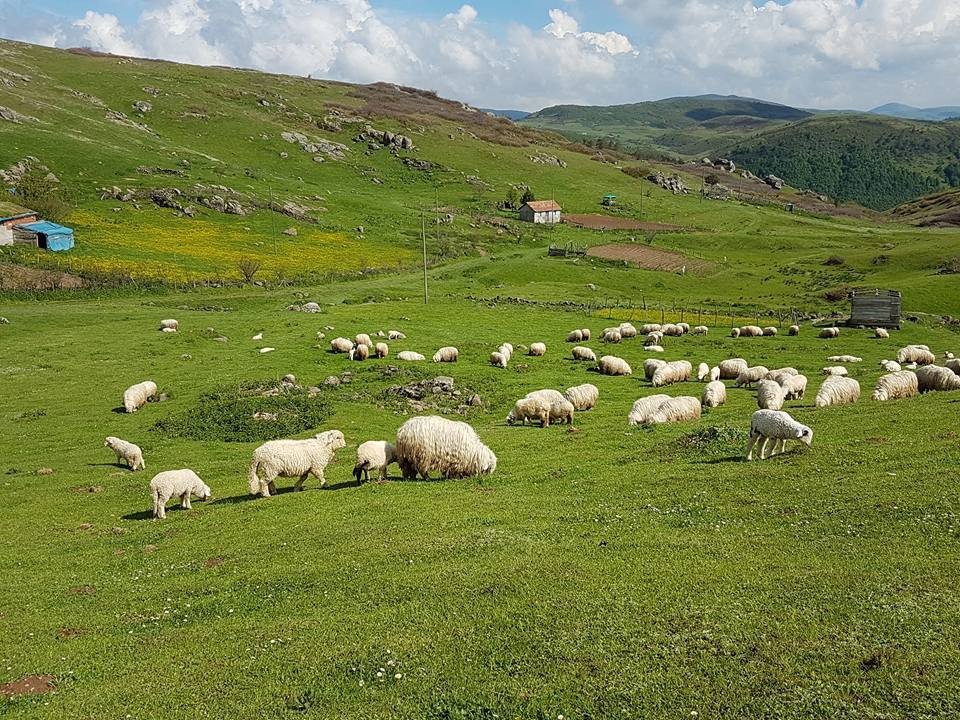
<point x="514" y="115"/>
<point x="908" y="112"/>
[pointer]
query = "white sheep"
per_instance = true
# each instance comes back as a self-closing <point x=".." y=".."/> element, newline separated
<point x="498" y="359"/>
<point x="714" y="374"/>
<point x="919" y="354"/>
<point x="651" y="365"/>
<point x="673" y="372"/>
<point x="292" y="458"/>
<point x="583" y="397"/>
<point x="612" y="335"/>
<point x="735" y="333"/>
<point x="584" y="353"/>
<point x="341" y="345"/>
<point x="830" y="333"/>
<point x="845" y="359"/>
<point x="382" y="350"/>
<point x="376" y="455"/>
<point x="360" y="353"/>
<point x="559" y="408"/>
<point x="751" y="375"/>
<point x="891" y="366"/>
<point x="645" y="407"/>
<point x="435" y="444"/>
<point x="538" y="349"/>
<point x="653" y="349"/>
<point x="126" y="451"/>
<point x="881" y="333"/>
<point x="627" y="330"/>
<point x="672" y="330"/>
<point x="700" y="330"/>
<point x="536" y="409"/>
<point x="586" y="333"/>
<point x="714" y="394"/>
<point x="837" y="390"/>
<point x="611" y="365"/>
<point x="770" y="331"/>
<point x="770" y="395"/>
<point x="649" y="328"/>
<point x="575" y="336"/>
<point x="936" y="378"/>
<point x="751" y="331"/>
<point x="793" y="330"/>
<point x="778" y="426"/>
<point x="896" y="385"/>
<point x="176" y="483"/>
<point x="506" y="350"/>
<point x="136" y="396"/>
<point x="684" y="327"/>
<point x="654" y="338"/>
<point x="775" y="375"/>
<point x="954" y="364"/>
<point x="396" y="335"/>
<point x="364" y="339"/>
<point x="410" y="356"/>
<point x="170" y="325"/>
<point x="446" y="355"/>
<point x="703" y="372"/>
<point x="835" y="370"/>
<point x="731" y="369"/>
<point x="794" y="386"/>
<point x="678" y="409"/>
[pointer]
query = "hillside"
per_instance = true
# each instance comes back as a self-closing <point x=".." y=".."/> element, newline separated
<point x="908" y="112"/>
<point x="937" y="210"/>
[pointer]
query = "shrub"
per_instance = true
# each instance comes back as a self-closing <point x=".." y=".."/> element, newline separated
<point x="841" y="292"/>
<point x="248" y="268"/>
<point x="637" y="171"/>
<point x="834" y="260"/>
<point x="880" y="260"/>
<point x="950" y="267"/>
<point x="527" y="196"/>
<point x="711" y="179"/>
<point x="38" y="192"/>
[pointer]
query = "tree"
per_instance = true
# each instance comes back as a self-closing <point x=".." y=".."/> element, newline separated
<point x="248" y="268"/>
<point x="512" y="199"/>
<point x="39" y="191"/>
<point x="527" y="196"/>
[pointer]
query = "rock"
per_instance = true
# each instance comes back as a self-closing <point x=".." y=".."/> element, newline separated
<point x="45" y="471"/>
<point x="346" y="377"/>
<point x="265" y="416"/>
<point x="443" y="384"/>
<point x="142" y="106"/>
<point x="290" y="231"/>
<point x="591" y="286"/>
<point x="544" y="159"/>
<point x="284" y="155"/>
<point x="725" y="164"/>
<point x="475" y="401"/>
<point x="674" y="184"/>
<point x="151" y="91"/>
<point x="359" y="229"/>
<point x="311" y="307"/>
<point x="289" y="379"/>
<point x="186" y="356"/>
<point x="264" y="351"/>
<point x="314" y="391"/>
<point x="774" y="182"/>
<point x="4" y="321"/>
<point x="13" y="116"/>
<point x="332" y="381"/>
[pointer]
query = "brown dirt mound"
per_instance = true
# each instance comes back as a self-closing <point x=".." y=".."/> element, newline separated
<point x="28" y="685"/>
<point x="20" y="277"/>
<point x="649" y="258"/>
<point x="608" y="222"/>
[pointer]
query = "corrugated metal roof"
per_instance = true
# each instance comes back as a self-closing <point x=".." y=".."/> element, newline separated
<point x="46" y="227"/>
<point x="543" y="205"/>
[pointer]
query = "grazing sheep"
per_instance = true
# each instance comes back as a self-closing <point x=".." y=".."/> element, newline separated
<point x="881" y="333"/>
<point x="910" y="366"/>
<point x="176" y="483"/>
<point x="714" y="374"/>
<point x="671" y="330"/>
<point x="136" y="396"/>
<point x="678" y="409"/>
<point x="382" y="350"/>
<point x="498" y="359"/>
<point x="794" y="386"/>
<point x="627" y="330"/>
<point x="651" y="365"/>
<point x="890" y="366"/>
<point x="650" y="327"/>
<point x="703" y="372"/>
<point x="530" y="408"/>
<point x="610" y="365"/>
<point x="838" y="390"/>
<point x="845" y="359"/>
<point x="364" y="339"/>
<point x="583" y="397"/>
<point x="538" y="349"/>
<point x="375" y="455"/>
<point x="653" y="348"/>
<point x="793" y="330"/>
<point x="645" y="407"/>
<point x="127" y="451"/>
<point x="836" y="370"/>
<point x="673" y="372"/>
<point x="775" y="375"/>
<point x="751" y="375"/>
<point x="684" y="327"/>
<point x="714" y="394"/>
<point x="954" y="365"/>
<point x="778" y="426"/>
<point x="341" y="345"/>
<point x="936" y="378"/>
<point x="360" y="353"/>
<point x="770" y="395"/>
<point x="584" y="353"/>
<point x="506" y="350"/>
<point x="559" y="409"/>
<point x="435" y="444"/>
<point x="410" y="356"/>
<point x="259" y="336"/>
<point x="731" y="369"/>
<point x="751" y="331"/>
<point x="265" y="350"/>
<point x="396" y="335"/>
<point x="586" y="333"/>
<point x="654" y="338"/>
<point x="700" y="330"/>
<point x="919" y="354"/>
<point x="830" y="333"/>
<point x="612" y="335"/>
<point x="735" y="333"/>
<point x="446" y="355"/>
<point x="897" y="385"/>
<point x="169" y="325"/>
<point x="292" y="458"/>
<point x="770" y="331"/>
<point x="575" y="336"/>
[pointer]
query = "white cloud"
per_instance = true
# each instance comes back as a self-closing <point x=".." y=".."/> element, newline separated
<point x="463" y="17"/>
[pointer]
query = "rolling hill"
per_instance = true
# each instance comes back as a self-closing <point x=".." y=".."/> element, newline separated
<point x="940" y="209"/>
<point x="908" y="112"/>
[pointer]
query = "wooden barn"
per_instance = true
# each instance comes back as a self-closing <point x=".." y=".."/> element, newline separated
<point x="541" y="212"/>
<point x="875" y="308"/>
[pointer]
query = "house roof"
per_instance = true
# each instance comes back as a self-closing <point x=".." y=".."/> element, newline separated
<point x="10" y="211"/>
<point x="543" y="205"/>
<point x="46" y="227"/>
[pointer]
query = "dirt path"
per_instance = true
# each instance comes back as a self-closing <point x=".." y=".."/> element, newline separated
<point x="648" y="258"/>
<point x="609" y="222"/>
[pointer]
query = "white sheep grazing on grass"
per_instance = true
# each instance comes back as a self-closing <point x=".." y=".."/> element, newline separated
<point x="775" y="375"/>
<point x="586" y="333"/>
<point x="673" y="372"/>
<point x="895" y="386"/>
<point x="932" y="378"/>
<point x="793" y="330"/>
<point x="583" y="397"/>
<point x="611" y="365"/>
<point x="674" y="410"/>
<point x="653" y="349"/>
<point x="584" y="353"/>
<point x="714" y="374"/>
<point x="498" y="359"/>
<point x="731" y="369"/>
<point x="429" y="444"/>
<point x="735" y="333"/>
<point x="703" y="372"/>
<point x="672" y="330"/>
<point x="292" y="458"/>
<point x="396" y="335"/>
<point x="176" y="483"/>
<point x="778" y="426"/>
<point x="410" y="356"/>
<point x="919" y="354"/>
<point x="376" y="455"/>
<point x="881" y="333"/>
<point x="700" y="330"/>
<point x="649" y="328"/>
<point x="714" y="394"/>
<point x="364" y="339"/>
<point x="627" y="330"/>
<point x="560" y="409"/>
<point x="575" y="336"/>
<point x="751" y="375"/>
<point x="126" y="451"/>
<point x="751" y="331"/>
<point x="794" y="386"/>
<point x="685" y="327"/>
<point x="446" y="355"/>
<point x="506" y="350"/>
<point x="954" y="365"/>
<point x="645" y="407"/>
<point x="891" y="366"/>
<point x="770" y="331"/>
<point x="651" y="365"/>
<point x="170" y="325"/>
<point x="654" y="338"/>
<point x="612" y="335"/>
<point x="360" y="353"/>
<point x="845" y="359"/>
<point x="837" y="390"/>
<point x="136" y="396"/>
<point x="829" y="333"/>
<point x="836" y="370"/>
<point x="382" y="350"/>
<point x="770" y="395"/>
<point x="535" y="409"/>
<point x="538" y="349"/>
<point x="341" y="345"/>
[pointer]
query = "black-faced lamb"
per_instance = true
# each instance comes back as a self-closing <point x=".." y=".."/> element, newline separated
<point x="176" y="483"/>
<point x="435" y="444"/>
<point x="778" y="426"/>
<point x="293" y="458"/>
<point x="126" y="451"/>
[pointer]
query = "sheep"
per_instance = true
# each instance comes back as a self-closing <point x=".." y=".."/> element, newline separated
<point x="770" y="395"/>
<point x="838" y="390"/>
<point x="410" y="356"/>
<point x="897" y="385"/>
<point x="751" y="331"/>
<point x="954" y="364"/>
<point x="396" y="335"/>
<point x="586" y="333"/>
<point x="654" y="338"/>
<point x="364" y="339"/>
<point x="382" y="350"/>
<point x="136" y="396"/>
<point x="910" y="366"/>
<point x="735" y="333"/>
<point x="627" y="330"/>
<point x="751" y="375"/>
<point x="428" y="444"/>
<point x="881" y="333"/>
<point x="558" y="408"/>
<point x="794" y="386"/>
<point x="506" y="350"/>
<point x="836" y="370"/>
<point x="891" y="366"/>
<point x="530" y="408"/>
<point x="678" y="409"/>
<point x="671" y="330"/>
<point x="845" y="359"/>
<point x="169" y="325"/>
<point x="684" y="327"/>
<point x="584" y="353"/>
<point x="537" y="349"/>
<point x="645" y="407"/>
<point x="498" y="359"/>
<point x="653" y="348"/>
<point x="793" y="330"/>
<point x="700" y="330"/>
<point x="360" y="353"/>
<point x="651" y="365"/>
<point x="375" y="455"/>
<point x="341" y="345"/>
<point x="731" y="369"/>
<point x="673" y="372"/>
<point x="934" y="377"/>
<point x="703" y="372"/>
<point x="127" y="451"/>
<point x="612" y="335"/>
<point x="714" y="394"/>
<point x="778" y="426"/>
<point x="611" y="365"/>
<point x="265" y="350"/>
<point x="770" y="331"/>
<point x="775" y="375"/>
<point x="920" y="354"/>
<point x="949" y="356"/>
<point x="292" y="458"/>
<point x="575" y="336"/>
<point x="829" y="333"/>
<point x="446" y="355"/>
<point x="714" y="374"/>
<point x="650" y="327"/>
<point x="583" y="397"/>
<point x="176" y="483"/>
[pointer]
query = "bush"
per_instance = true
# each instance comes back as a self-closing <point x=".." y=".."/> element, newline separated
<point x="711" y="179"/>
<point x="527" y="196"/>
<point x="248" y="268"/>
<point x="950" y="267"/>
<point x="35" y="191"/>
<point x="834" y="260"/>
<point x="841" y="292"/>
<point x="637" y="171"/>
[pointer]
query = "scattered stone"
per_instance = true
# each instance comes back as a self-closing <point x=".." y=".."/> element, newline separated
<point x="45" y="471"/>
<point x="13" y="116"/>
<point x="85" y="526"/>
<point x="284" y="155"/>
<point x="346" y="377"/>
<point x="475" y="401"/>
<point x="383" y="138"/>
<point x="332" y="381"/>
<point x="265" y="416"/>
<point x="4" y="321"/>
<point x="290" y="379"/>
<point x="774" y="182"/>
<point x="291" y="232"/>
<point x="264" y="351"/>
<point x="673" y="183"/>
<point x="544" y="159"/>
<point x="142" y="106"/>
<point x="186" y="356"/>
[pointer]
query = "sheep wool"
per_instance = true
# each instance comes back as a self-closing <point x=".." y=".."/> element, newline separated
<point x="575" y="336"/>
<point x="410" y="356"/>
<point x="735" y="333"/>
<point x="645" y="407"/>
<point x="895" y="386"/>
<point x="678" y="409"/>
<point x="364" y="339"/>
<point x="684" y="327"/>
<point x="498" y="359"/>
<point x="845" y="359"/>
<point x="700" y="330"/>
<point x="891" y="366"/>
<point x="651" y="365"/>
<point x="830" y="333"/>
<point x="751" y="375"/>
<point x="292" y="458"/>
<point x="837" y="370"/>
<point x="881" y="333"/>
<point x="446" y="355"/>
<point x="428" y="444"/>
<point x="170" y="325"/>
<point x="919" y="354"/>
<point x="770" y="395"/>
<point x="673" y="372"/>
<point x="778" y="426"/>
<point x="837" y="390"/>
<point x="731" y="369"/>
<point x="769" y="331"/>
<point x="653" y="348"/>
<point x="126" y="451"/>
<point x="583" y="397"/>
<point x="586" y="333"/>
<point x="703" y="372"/>
<point x="714" y="394"/>
<point x="396" y="335"/>
<point x="341" y="345"/>
<point x="611" y="365"/>
<point x="671" y="330"/>
<point x="382" y="350"/>
<point x="793" y="330"/>
<point x="794" y="386"/>
<point x="612" y="335"/>
<point x="649" y="328"/>
<point x="176" y="483"/>
<point x="136" y="396"/>
<point x="932" y="378"/>
<point x="506" y="350"/>
<point x="584" y="353"/>
<point x="627" y="330"/>
<point x="751" y="331"/>
<point x="954" y="365"/>
<point x="775" y="375"/>
<point x="560" y="409"/>
<point x="360" y="353"/>
<point x="376" y="455"/>
<point x="714" y="374"/>
<point x="530" y="409"/>
<point x="538" y="349"/>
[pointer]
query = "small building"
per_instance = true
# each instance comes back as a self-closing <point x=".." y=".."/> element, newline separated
<point x="609" y="200"/>
<point x="12" y="215"/>
<point x="45" y="235"/>
<point x="540" y="212"/>
<point x="871" y="308"/>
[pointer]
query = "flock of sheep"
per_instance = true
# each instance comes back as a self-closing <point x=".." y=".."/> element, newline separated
<point x="433" y="444"/>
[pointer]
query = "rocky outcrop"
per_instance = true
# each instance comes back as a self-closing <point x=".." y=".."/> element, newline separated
<point x="376" y="139"/>
<point x="115" y="116"/>
<point x="13" y="116"/>
<point x="673" y="183"/>
<point x="725" y="164"/>
<point x="142" y="106"/>
<point x="544" y="159"/>
<point x="13" y="174"/>
<point x="774" y="182"/>
<point x="317" y="147"/>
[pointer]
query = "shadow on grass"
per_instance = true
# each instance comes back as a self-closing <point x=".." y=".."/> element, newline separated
<point x="120" y="410"/>
<point x="124" y="466"/>
<point x="148" y="514"/>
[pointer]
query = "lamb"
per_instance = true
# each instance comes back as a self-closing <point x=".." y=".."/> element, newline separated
<point x="890" y="366"/>
<point x="435" y="444"/>
<point x="793" y="330"/>
<point x="700" y="330"/>
<point x="169" y="325"/>
<point x="126" y="451"/>
<point x="176" y="483"/>
<point x="830" y="333"/>
<point x="838" y="390"/>
<point x="714" y="374"/>
<point x="778" y="426"/>
<point x="770" y="331"/>
<point x="586" y="333"/>
<point x="731" y="369"/>
<point x="673" y="372"/>
<point x="583" y="397"/>
<point x="136" y="396"/>
<point x="919" y="354"/>
<point x="360" y="353"/>
<point x="703" y="372"/>
<point x="627" y="330"/>
<point x="649" y="328"/>
<point x="530" y="408"/>
<point x="498" y="359"/>
<point x="936" y="378"/>
<point x="735" y="333"/>
<point x="654" y="338"/>
<point x="410" y="356"/>
<point x="835" y="370"/>
<point x="382" y="350"/>
<point x="538" y="349"/>
<point x="364" y="339"/>
<point x="651" y="365"/>
<point x="845" y="359"/>
<point x="954" y="365"/>
<point x="645" y="407"/>
<point x="611" y="365"/>
<point x="292" y="458"/>
<point x="678" y="409"/>
<point x="575" y="336"/>
<point x="584" y="353"/>
<point x="506" y="350"/>
<point x="684" y="327"/>
<point x="375" y="455"/>
<point x="714" y="394"/>
<point x="396" y="335"/>
<point x="653" y="348"/>
<point x="794" y="386"/>
<point x="897" y="385"/>
<point x="341" y="345"/>
<point x="770" y="395"/>
<point x="751" y="375"/>
<point x="446" y="355"/>
<point x="612" y="335"/>
<point x="751" y="331"/>
<point x="881" y="333"/>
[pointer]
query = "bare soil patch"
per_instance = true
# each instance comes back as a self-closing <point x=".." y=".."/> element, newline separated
<point x="648" y="258"/>
<point x="28" y="685"/>
<point x="212" y="562"/>
<point x="19" y="277"/>
<point x="609" y="222"/>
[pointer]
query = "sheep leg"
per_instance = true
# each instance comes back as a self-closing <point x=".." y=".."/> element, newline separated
<point x="159" y="507"/>
<point x="185" y="500"/>
<point x="298" y="485"/>
<point x="751" y="445"/>
<point x="763" y="448"/>
<point x="272" y="486"/>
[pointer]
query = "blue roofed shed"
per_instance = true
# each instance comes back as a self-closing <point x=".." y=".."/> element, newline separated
<point x="45" y="234"/>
